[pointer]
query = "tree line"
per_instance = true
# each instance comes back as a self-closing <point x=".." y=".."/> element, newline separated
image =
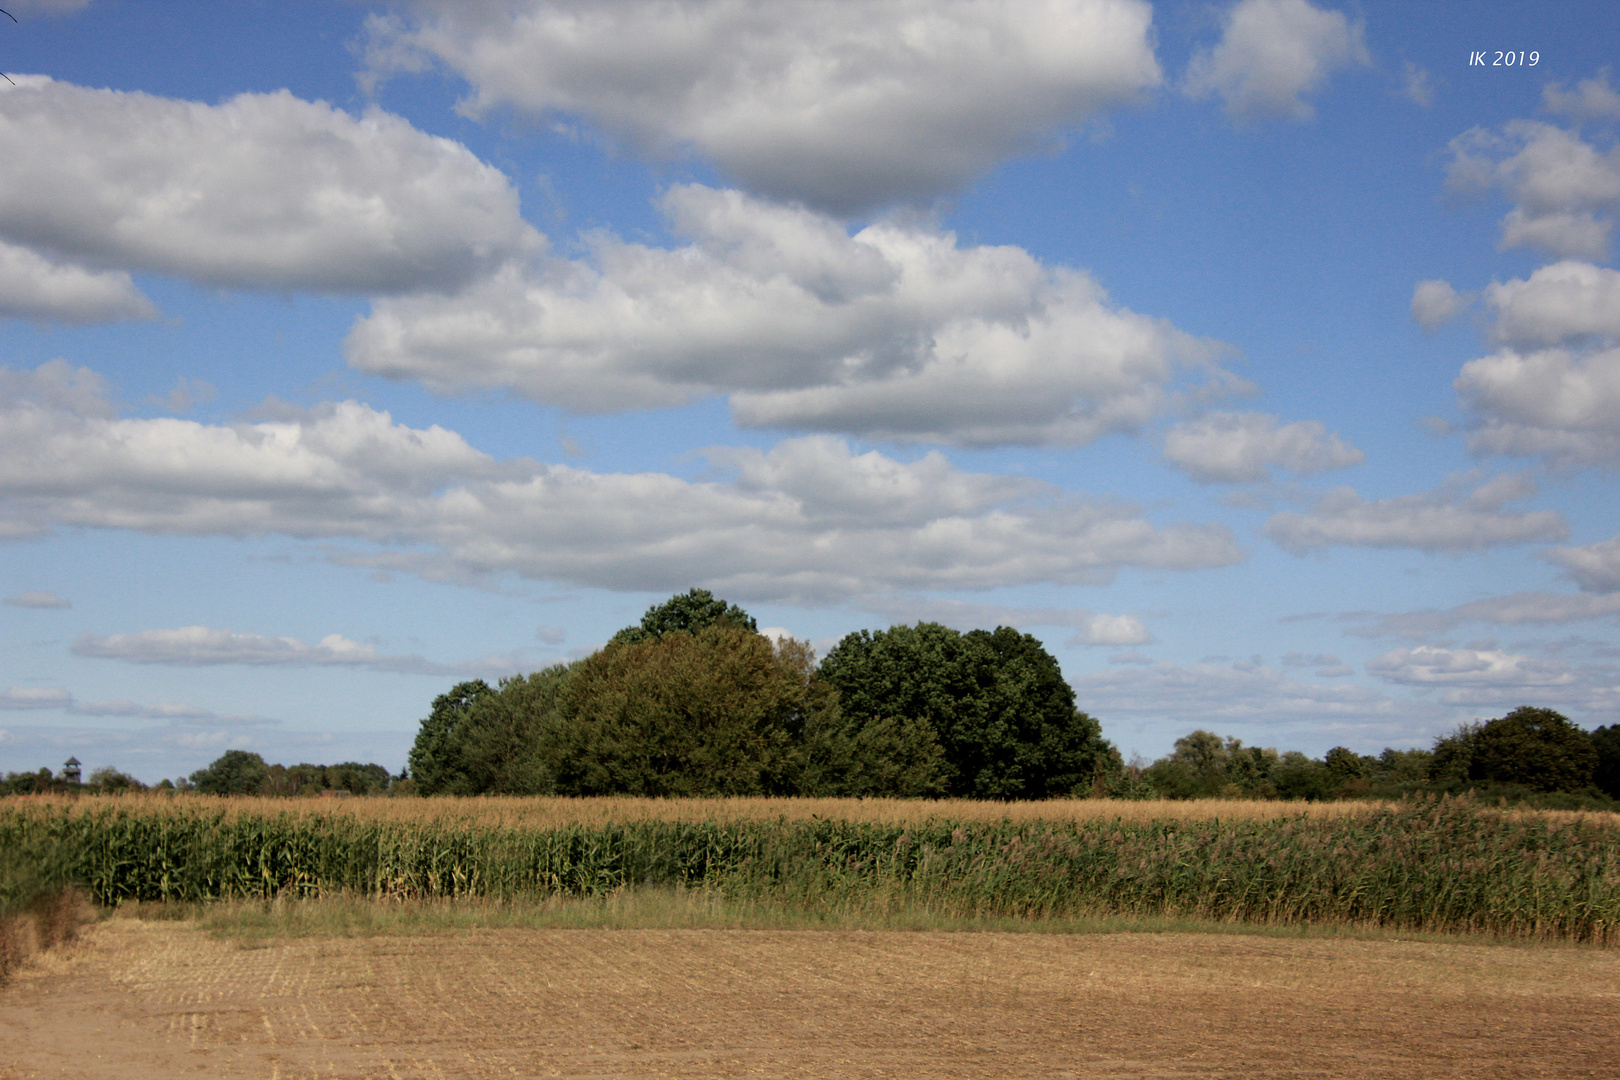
<point x="235" y="772"/>
<point x="695" y="701"/>
<point x="1529" y="755"/>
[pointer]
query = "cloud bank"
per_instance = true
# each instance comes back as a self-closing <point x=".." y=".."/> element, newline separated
<point x="809" y="520"/>
<point x="844" y="107"/>
<point x="1449" y="519"/>
<point x="202" y="646"/>
<point x="894" y="332"/>
<point x="262" y="191"/>
<point x="1494" y="678"/>
<point x="31" y="698"/>
<point x="1226" y="447"/>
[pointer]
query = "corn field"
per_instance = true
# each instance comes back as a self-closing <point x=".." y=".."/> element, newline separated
<point x="1441" y="865"/>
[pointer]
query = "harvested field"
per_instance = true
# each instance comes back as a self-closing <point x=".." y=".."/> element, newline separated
<point x="136" y="1000"/>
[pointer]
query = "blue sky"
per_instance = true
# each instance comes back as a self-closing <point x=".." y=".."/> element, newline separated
<point x="1262" y="359"/>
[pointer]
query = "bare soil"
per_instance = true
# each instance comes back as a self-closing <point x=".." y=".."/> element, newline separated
<point x="137" y="1000"/>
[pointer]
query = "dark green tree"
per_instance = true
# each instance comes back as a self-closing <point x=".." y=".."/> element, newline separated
<point x="1249" y="768"/>
<point x="235" y="772"/>
<point x="1606" y="773"/>
<point x="1299" y="776"/>
<point x="1402" y="766"/>
<point x="694" y="610"/>
<point x="888" y="757"/>
<point x="997" y="702"/>
<point x="434" y="761"/>
<point x="34" y="783"/>
<point x="1452" y="756"/>
<point x="1537" y="748"/>
<point x="508" y="743"/>
<point x="1347" y="765"/>
<point x="1203" y="765"/>
<point x="108" y="780"/>
<point x="1195" y="768"/>
<point x="353" y="777"/>
<point x="721" y="711"/>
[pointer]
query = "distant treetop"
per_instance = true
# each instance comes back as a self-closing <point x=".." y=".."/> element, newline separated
<point x="691" y="611"/>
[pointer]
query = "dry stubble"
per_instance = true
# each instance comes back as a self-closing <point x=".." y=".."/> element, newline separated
<point x="139" y="1000"/>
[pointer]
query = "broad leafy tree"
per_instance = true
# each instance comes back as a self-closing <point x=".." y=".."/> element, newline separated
<point x="887" y="757"/>
<point x="480" y="740"/>
<point x="235" y="772"/>
<point x="694" y="610"/>
<point x="435" y="762"/>
<point x="506" y="743"/>
<point x="1300" y="776"/>
<point x="1203" y="765"/>
<point x="1453" y="755"/>
<point x="108" y="780"/>
<point x="997" y="703"/>
<point x="1347" y="765"/>
<point x="1537" y="748"/>
<point x="1606" y="773"/>
<point x="1402" y="766"/>
<point x="719" y="711"/>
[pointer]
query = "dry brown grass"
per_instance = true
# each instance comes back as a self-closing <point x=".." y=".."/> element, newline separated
<point x="540" y="813"/>
<point x="54" y="919"/>
<point x="545" y="812"/>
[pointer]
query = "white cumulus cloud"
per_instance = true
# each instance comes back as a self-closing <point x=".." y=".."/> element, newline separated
<point x="1435" y="303"/>
<point x="1564" y="188"/>
<point x="1552" y="388"/>
<point x="1591" y="99"/>
<point x="1417" y="84"/>
<point x="1562" y="404"/>
<point x="262" y="191"/>
<point x="841" y="106"/>
<point x="34" y="287"/>
<point x="1234" y="448"/>
<point x="1113" y="630"/>
<point x="776" y="525"/>
<point x="894" y="332"/>
<point x="1273" y="53"/>
<point x="1449" y="519"/>
<point x="1566" y="301"/>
